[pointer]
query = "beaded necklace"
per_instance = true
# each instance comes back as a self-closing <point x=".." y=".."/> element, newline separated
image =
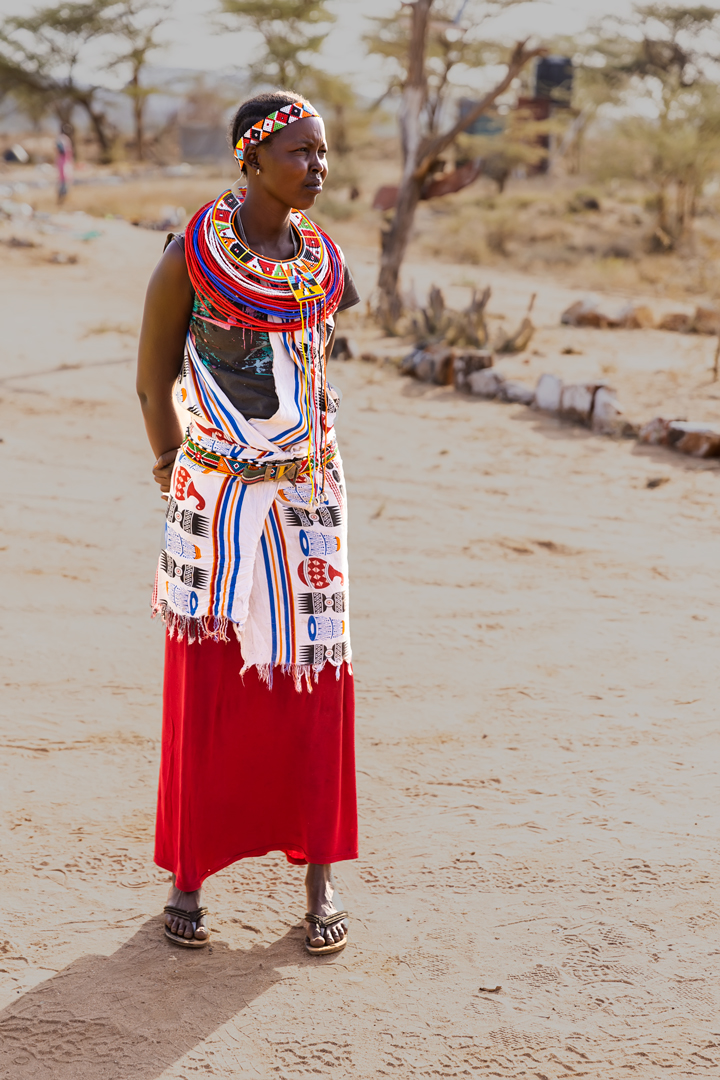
<point x="294" y="297"/>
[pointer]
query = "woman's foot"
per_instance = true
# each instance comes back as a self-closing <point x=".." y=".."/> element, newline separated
<point x="185" y="901"/>
<point x="323" y="900"/>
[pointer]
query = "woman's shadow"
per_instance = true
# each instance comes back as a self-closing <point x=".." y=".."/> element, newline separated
<point x="140" y="1009"/>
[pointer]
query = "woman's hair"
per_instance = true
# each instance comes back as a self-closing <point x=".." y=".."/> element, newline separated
<point x="257" y="108"/>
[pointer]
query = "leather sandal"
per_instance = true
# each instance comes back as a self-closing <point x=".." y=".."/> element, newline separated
<point x="193" y="917"/>
<point x="324" y="921"/>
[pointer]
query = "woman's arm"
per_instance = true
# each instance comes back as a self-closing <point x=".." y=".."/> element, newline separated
<point x="168" y="307"/>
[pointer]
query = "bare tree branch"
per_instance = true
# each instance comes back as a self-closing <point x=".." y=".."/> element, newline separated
<point x="519" y="58"/>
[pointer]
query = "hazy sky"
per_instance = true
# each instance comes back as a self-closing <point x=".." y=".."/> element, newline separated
<point x="192" y="42"/>
<point x="194" y="45"/>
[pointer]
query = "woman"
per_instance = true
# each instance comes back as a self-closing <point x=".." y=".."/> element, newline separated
<point x="258" y="706"/>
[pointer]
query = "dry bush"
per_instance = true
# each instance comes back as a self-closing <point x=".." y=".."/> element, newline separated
<point x="141" y="199"/>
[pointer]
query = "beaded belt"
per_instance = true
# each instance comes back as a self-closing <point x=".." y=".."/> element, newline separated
<point x="251" y="472"/>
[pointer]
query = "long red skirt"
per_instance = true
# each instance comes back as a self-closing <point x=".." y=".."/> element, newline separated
<point x="246" y="769"/>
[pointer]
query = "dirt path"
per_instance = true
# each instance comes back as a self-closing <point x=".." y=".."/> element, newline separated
<point x="536" y="637"/>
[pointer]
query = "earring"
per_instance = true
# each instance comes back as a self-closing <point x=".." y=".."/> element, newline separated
<point x="257" y="172"/>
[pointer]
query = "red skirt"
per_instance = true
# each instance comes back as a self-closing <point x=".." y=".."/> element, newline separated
<point x="246" y="769"/>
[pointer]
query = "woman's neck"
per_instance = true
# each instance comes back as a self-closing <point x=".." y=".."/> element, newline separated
<point x="266" y="223"/>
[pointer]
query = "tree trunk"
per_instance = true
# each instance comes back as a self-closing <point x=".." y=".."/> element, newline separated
<point x="420" y="155"/>
<point x="138" y="114"/>
<point x="100" y="126"/>
<point x="140" y="128"/>
<point x="340" y="141"/>
<point x="662" y="211"/>
<point x="394" y="245"/>
<point x="395" y="239"/>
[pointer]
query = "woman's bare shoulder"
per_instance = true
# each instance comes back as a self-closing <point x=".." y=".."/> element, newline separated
<point x="171" y="272"/>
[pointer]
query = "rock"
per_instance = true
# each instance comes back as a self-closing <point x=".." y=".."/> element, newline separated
<point x="548" y="393"/>
<point x="655" y="433"/>
<point x="706" y="321"/>
<point x="697" y="439"/>
<point x="19" y="242"/>
<point x="586" y="313"/>
<point x="607" y="416"/>
<point x="583" y="200"/>
<point x="517" y="393"/>
<point x="468" y="361"/>
<point x="370" y="357"/>
<point x="618" y="251"/>
<point x="636" y="317"/>
<point x="16" y="154"/>
<point x="576" y="401"/>
<point x="677" y="321"/>
<point x="431" y="364"/>
<point x="485" y="383"/>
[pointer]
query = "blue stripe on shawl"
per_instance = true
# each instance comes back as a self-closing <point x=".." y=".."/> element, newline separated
<point x="220" y="551"/>
<point x="271" y="596"/>
<point x="301" y="429"/>
<point x="283" y="577"/>
<point x="220" y="413"/>
<point x="237" y="552"/>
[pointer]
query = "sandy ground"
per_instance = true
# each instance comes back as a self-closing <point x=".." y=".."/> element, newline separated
<point x="536" y="637"/>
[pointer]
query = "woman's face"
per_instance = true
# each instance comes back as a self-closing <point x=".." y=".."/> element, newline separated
<point x="293" y="163"/>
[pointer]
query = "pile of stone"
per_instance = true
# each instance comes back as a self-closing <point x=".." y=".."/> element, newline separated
<point x="490" y="384"/>
<point x="595" y="405"/>
<point x="472" y="371"/>
<point x="444" y="366"/>
<point x="703" y="321"/>
<point x="588" y="312"/>
<point x="697" y="439"/>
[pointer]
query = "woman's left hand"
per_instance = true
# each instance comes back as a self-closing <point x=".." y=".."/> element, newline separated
<point x="162" y="470"/>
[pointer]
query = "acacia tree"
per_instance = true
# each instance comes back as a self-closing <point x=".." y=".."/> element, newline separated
<point x="39" y="56"/>
<point x="662" y="55"/>
<point x="136" y="25"/>
<point x="292" y="31"/>
<point x="450" y="44"/>
<point x="420" y="113"/>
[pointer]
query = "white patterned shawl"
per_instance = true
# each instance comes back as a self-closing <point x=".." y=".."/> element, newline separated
<point x="255" y="557"/>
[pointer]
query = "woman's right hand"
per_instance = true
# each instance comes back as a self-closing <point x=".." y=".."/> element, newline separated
<point x="162" y="470"/>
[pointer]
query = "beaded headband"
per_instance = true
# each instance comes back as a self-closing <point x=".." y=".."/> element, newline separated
<point x="276" y="121"/>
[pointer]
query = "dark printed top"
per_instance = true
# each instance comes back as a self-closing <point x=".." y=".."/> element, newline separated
<point x="241" y="361"/>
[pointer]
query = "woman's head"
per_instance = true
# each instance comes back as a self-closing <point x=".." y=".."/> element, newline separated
<point x="289" y="163"/>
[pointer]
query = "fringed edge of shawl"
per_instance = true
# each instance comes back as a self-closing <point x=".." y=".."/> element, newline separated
<point x="300" y="673"/>
<point x="209" y="627"/>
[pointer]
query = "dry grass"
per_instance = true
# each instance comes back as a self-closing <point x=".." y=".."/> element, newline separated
<point x="537" y="226"/>
<point x="142" y="199"/>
